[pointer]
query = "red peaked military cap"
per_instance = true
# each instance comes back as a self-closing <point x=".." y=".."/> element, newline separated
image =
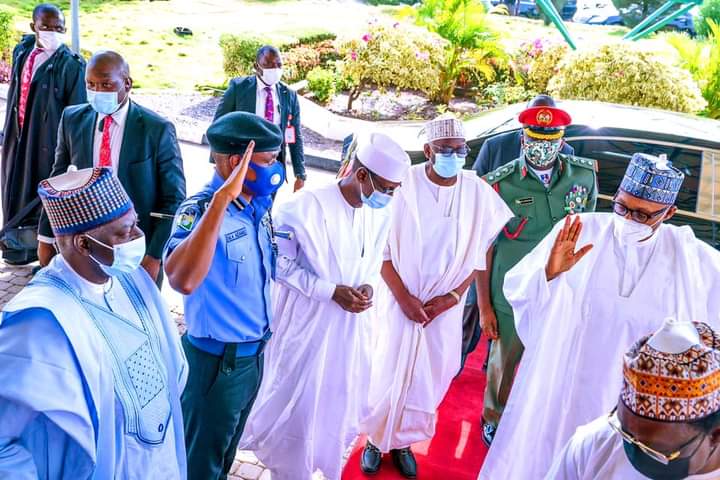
<point x="545" y="117"/>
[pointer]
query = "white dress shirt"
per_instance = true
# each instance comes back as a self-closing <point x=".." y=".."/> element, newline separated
<point x="261" y="98"/>
<point x="40" y="60"/>
<point x="117" y="131"/>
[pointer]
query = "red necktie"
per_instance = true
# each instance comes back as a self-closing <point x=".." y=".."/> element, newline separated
<point x="25" y="82"/>
<point x="269" y="105"/>
<point x="105" y="153"/>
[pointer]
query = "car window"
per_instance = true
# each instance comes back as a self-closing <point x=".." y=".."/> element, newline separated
<point x="709" y="189"/>
<point x="613" y="156"/>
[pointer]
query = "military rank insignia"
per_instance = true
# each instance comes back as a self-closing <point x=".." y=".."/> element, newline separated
<point x="576" y="199"/>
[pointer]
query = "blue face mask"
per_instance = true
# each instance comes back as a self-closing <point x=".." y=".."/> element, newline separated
<point x="376" y="199"/>
<point x="126" y="256"/>
<point x="105" y="103"/>
<point x="267" y="179"/>
<point x="448" y="166"/>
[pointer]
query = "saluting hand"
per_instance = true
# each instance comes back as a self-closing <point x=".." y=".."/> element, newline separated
<point x="563" y="255"/>
<point x="234" y="183"/>
<point x="350" y="299"/>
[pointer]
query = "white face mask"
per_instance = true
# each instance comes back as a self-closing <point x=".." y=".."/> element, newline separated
<point x="629" y="232"/>
<point x="126" y="256"/>
<point x="271" y="76"/>
<point x="50" y="40"/>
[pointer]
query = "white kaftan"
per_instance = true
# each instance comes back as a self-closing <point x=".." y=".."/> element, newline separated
<point x="596" y="452"/>
<point x="439" y="236"/>
<point x="577" y="328"/>
<point x="317" y="363"/>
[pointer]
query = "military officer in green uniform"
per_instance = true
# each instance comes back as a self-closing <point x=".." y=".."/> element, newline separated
<point x="541" y="188"/>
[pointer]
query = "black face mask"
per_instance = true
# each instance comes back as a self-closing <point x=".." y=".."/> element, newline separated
<point x="675" y="470"/>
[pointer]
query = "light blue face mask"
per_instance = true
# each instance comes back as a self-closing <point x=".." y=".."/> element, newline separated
<point x="105" y="103"/>
<point x="126" y="256"/>
<point x="376" y="199"/>
<point x="448" y="166"/>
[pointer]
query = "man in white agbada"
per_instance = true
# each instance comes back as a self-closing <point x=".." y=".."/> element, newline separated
<point x="444" y="221"/>
<point x="91" y="367"/>
<point x="317" y="365"/>
<point x="666" y="424"/>
<point x="578" y="311"/>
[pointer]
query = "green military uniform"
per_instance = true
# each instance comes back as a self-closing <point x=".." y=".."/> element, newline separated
<point x="572" y="189"/>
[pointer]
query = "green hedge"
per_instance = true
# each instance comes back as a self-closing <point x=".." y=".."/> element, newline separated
<point x="9" y="36"/>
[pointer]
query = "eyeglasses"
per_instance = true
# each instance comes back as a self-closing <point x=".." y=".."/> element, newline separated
<point x="650" y="452"/>
<point x="461" y="151"/>
<point x="388" y="191"/>
<point x="637" y="215"/>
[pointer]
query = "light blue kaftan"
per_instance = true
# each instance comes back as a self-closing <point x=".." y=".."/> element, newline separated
<point x="90" y="380"/>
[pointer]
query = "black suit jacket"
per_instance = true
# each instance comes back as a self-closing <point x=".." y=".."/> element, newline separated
<point x="241" y="96"/>
<point x="150" y="166"/>
<point x="501" y="149"/>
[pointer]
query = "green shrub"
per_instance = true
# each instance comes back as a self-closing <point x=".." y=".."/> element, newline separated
<point x="504" y="94"/>
<point x="710" y="10"/>
<point x="392" y="2"/>
<point x="239" y="54"/>
<point x="622" y="74"/>
<point x="535" y="63"/>
<point x="321" y="83"/>
<point x="702" y="59"/>
<point x="392" y="57"/>
<point x="471" y="46"/>
<point x="298" y="61"/>
<point x="315" y="37"/>
<point x="8" y="35"/>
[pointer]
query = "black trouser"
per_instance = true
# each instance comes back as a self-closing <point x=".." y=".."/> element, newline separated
<point x="216" y="403"/>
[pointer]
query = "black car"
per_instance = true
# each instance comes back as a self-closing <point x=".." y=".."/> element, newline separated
<point x="529" y="9"/>
<point x="611" y="133"/>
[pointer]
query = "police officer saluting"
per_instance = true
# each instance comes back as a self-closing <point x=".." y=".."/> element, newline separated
<point x="541" y="188"/>
<point x="221" y="256"/>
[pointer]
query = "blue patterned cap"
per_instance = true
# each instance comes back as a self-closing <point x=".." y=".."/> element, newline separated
<point x="80" y="200"/>
<point x="652" y="178"/>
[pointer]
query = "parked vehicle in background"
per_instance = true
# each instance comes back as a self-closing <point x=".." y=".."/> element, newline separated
<point x="605" y="13"/>
<point x="529" y="9"/>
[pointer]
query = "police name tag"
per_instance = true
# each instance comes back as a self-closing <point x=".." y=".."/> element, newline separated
<point x="236" y="235"/>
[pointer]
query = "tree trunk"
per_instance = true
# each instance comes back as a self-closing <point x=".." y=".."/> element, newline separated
<point x="354" y="94"/>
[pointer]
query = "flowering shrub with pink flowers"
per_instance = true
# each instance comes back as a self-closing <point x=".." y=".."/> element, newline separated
<point x="535" y="63"/>
<point x="622" y="73"/>
<point x="391" y="56"/>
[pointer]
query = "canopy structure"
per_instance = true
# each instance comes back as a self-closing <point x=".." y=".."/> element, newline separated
<point x="671" y="10"/>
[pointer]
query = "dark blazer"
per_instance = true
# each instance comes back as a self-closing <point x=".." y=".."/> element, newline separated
<point x="501" y="149"/>
<point x="150" y="167"/>
<point x="28" y="154"/>
<point x="241" y="96"/>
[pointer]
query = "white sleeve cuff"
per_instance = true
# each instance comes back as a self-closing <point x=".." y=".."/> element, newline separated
<point x="323" y="291"/>
<point x="44" y="239"/>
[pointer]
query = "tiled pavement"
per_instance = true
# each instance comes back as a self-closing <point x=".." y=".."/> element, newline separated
<point x="246" y="466"/>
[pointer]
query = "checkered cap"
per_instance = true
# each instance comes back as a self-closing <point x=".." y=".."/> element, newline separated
<point x="444" y="126"/>
<point x="80" y="200"/>
<point x="673" y="384"/>
<point x="652" y="178"/>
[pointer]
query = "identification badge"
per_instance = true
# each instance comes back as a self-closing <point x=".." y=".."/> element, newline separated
<point x="236" y="235"/>
<point x="290" y="135"/>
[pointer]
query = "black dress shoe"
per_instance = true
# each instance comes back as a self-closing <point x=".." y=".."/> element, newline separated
<point x="370" y="459"/>
<point x="404" y="461"/>
<point x="488" y="433"/>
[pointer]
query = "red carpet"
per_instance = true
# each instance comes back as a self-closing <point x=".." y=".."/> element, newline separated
<point x="457" y="450"/>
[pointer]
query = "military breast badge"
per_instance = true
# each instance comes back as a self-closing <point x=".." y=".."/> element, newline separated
<point x="576" y="199"/>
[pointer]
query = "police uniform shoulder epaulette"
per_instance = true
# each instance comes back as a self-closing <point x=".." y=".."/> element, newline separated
<point x="588" y="163"/>
<point x="501" y="172"/>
